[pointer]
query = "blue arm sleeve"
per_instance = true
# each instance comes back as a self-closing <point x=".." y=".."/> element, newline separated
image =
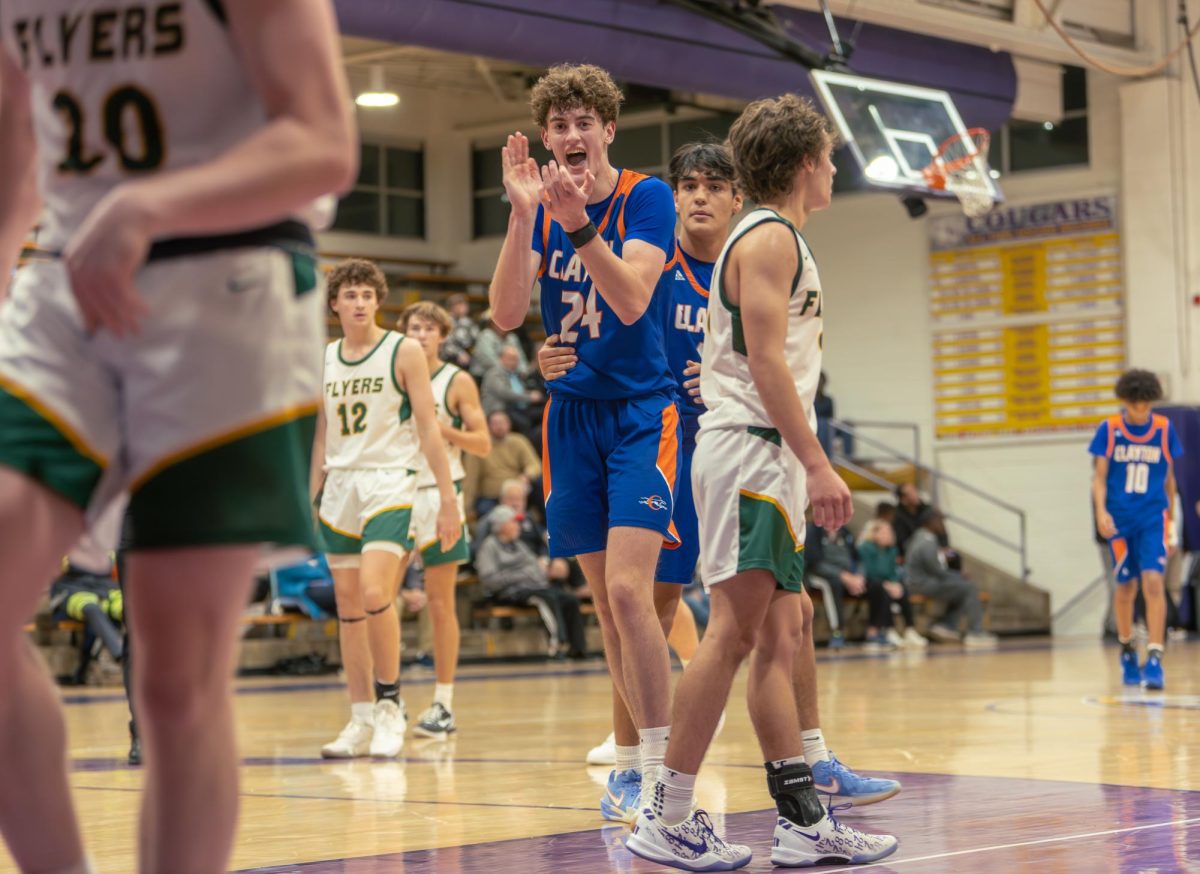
<point x="650" y="215"/>
<point x="1099" y="444"/>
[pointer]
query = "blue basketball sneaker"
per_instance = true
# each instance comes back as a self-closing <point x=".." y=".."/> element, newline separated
<point x="1131" y="675"/>
<point x="834" y="778"/>
<point x="621" y="799"/>
<point x="1152" y="671"/>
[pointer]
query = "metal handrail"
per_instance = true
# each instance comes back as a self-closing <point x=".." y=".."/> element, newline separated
<point x="1078" y="597"/>
<point x="937" y="478"/>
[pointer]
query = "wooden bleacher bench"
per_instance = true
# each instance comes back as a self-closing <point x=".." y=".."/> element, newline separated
<point x="45" y="623"/>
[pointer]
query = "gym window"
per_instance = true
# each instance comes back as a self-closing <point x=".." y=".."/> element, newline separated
<point x="388" y="198"/>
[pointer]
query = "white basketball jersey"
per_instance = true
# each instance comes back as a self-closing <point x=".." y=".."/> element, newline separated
<point x="124" y="89"/>
<point x="368" y="420"/>
<point x="441" y="380"/>
<point x="726" y="385"/>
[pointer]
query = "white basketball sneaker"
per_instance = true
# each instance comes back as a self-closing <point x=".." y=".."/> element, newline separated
<point x="692" y="845"/>
<point x="605" y="754"/>
<point x="799" y="846"/>
<point x="354" y="741"/>
<point x="390" y="723"/>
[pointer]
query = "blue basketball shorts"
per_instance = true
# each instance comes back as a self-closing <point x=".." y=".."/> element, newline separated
<point x="679" y="565"/>
<point x="608" y="464"/>
<point x="1138" y="549"/>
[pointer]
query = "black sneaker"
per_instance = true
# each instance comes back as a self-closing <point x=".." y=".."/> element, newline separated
<point x="437" y="721"/>
<point x="135" y="746"/>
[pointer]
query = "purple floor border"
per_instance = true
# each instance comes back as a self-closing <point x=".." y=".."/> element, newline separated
<point x="945" y="824"/>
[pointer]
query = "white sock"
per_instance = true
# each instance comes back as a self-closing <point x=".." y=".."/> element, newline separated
<point x="814" y="746"/>
<point x="653" y="742"/>
<point x="779" y="764"/>
<point x="443" y="693"/>
<point x="362" y="711"/>
<point x="628" y="758"/>
<point x="673" y="792"/>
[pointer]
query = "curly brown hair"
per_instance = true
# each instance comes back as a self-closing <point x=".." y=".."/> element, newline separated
<point x="430" y="312"/>
<point x="356" y="271"/>
<point x="771" y="139"/>
<point x="1138" y="385"/>
<point x="576" y="86"/>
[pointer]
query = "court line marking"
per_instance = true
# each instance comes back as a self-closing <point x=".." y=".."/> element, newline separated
<point x="361" y="800"/>
<point x="892" y="862"/>
<point x="541" y="673"/>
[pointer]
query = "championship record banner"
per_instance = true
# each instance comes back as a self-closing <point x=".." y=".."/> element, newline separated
<point x="1028" y="322"/>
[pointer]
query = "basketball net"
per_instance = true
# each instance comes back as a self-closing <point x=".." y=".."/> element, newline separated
<point x="958" y="167"/>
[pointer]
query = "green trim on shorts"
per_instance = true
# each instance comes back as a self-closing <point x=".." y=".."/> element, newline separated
<point x="390" y="526"/>
<point x="31" y="444"/>
<point x="304" y="271"/>
<point x="337" y="543"/>
<point x="432" y="555"/>
<point x="253" y="489"/>
<point x="771" y="435"/>
<point x="765" y="542"/>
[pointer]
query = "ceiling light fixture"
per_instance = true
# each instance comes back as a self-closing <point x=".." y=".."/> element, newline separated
<point x="377" y="96"/>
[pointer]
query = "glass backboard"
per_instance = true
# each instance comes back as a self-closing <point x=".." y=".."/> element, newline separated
<point x="895" y="130"/>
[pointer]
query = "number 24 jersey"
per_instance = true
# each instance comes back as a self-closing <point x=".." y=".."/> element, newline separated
<point x="615" y="360"/>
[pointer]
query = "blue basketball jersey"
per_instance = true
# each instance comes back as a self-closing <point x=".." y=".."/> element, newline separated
<point x="1139" y="460"/>
<point x="615" y="360"/>
<point x="685" y="282"/>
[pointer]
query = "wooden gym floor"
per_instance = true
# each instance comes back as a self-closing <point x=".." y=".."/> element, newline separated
<point x="1032" y="755"/>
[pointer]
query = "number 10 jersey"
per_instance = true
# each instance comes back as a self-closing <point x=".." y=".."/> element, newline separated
<point x="368" y="419"/>
<point x="124" y="88"/>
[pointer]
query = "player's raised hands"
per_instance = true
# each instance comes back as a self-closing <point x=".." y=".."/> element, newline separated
<point x="554" y="360"/>
<point x="101" y="260"/>
<point x="830" y="498"/>
<point x="522" y="182"/>
<point x="566" y="200"/>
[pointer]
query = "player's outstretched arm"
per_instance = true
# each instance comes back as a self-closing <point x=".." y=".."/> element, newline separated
<point x="517" y="266"/>
<point x="19" y="197"/>
<point x="473" y="437"/>
<point x="412" y="372"/>
<point x="765" y="262"/>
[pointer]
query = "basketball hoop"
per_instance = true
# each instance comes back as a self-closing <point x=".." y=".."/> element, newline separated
<point x="958" y="167"/>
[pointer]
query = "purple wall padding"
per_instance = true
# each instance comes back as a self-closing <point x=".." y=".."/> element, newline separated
<point x="657" y="44"/>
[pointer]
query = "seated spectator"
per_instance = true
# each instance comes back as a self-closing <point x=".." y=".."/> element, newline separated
<point x="885" y="511"/>
<point x="826" y="413"/>
<point x="512" y="457"/>
<point x="514" y="494"/>
<point x="829" y="564"/>
<point x="877" y="553"/>
<point x="504" y="389"/>
<point x="460" y="342"/>
<point x="488" y="344"/>
<point x="909" y="508"/>
<point x="510" y="573"/>
<point x="927" y="574"/>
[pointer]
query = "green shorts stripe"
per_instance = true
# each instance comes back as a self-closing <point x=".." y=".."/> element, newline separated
<point x="766" y="541"/>
<point x="33" y="445"/>
<point x="253" y="489"/>
<point x="390" y="526"/>
<point x="336" y="543"/>
<point x="432" y="554"/>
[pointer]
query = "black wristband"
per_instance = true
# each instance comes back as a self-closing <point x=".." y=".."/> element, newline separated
<point x="583" y="236"/>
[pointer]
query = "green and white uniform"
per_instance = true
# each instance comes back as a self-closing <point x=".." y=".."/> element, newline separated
<point x="749" y="486"/>
<point x="371" y="454"/>
<point x="206" y="415"/>
<point x="427" y="503"/>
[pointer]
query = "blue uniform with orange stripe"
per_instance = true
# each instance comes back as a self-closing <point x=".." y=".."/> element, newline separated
<point x="611" y="427"/>
<point x="1139" y="462"/>
<point x="685" y="282"/>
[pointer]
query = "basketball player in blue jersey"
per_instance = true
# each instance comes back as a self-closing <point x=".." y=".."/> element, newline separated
<point x="707" y="200"/>
<point x="139" y="357"/>
<point x="1133" y="494"/>
<point x="597" y="239"/>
